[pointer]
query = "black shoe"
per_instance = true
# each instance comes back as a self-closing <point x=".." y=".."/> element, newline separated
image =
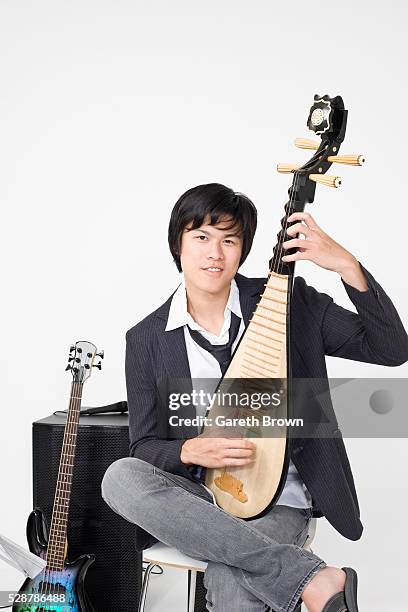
<point x="345" y="601"/>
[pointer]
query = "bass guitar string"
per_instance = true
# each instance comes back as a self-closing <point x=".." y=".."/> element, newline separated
<point x="70" y="430"/>
<point x="50" y="575"/>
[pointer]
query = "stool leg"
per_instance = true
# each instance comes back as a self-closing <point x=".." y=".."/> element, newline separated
<point x="188" y="589"/>
<point x="191" y="592"/>
<point x="143" y="594"/>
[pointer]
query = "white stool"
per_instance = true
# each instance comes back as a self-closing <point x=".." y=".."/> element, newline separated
<point x="161" y="554"/>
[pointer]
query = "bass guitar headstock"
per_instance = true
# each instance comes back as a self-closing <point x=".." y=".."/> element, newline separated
<point x="81" y="360"/>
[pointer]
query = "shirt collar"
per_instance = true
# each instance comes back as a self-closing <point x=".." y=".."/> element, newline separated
<point x="179" y="315"/>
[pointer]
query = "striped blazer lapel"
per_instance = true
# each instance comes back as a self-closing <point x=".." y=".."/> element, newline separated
<point x="172" y="345"/>
<point x="173" y="350"/>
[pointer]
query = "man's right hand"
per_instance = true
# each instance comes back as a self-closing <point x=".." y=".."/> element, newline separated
<point x="217" y="452"/>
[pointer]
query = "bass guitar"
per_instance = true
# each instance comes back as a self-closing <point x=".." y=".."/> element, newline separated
<point x="60" y="585"/>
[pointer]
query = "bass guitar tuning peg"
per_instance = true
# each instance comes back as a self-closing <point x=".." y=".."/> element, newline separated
<point x="97" y="365"/>
<point x="324" y="179"/>
<point x="72" y="348"/>
<point x="101" y="354"/>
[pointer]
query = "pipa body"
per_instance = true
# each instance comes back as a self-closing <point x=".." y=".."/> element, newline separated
<point x="262" y="355"/>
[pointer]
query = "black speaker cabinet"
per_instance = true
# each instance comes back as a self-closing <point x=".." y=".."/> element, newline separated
<point x="113" y="581"/>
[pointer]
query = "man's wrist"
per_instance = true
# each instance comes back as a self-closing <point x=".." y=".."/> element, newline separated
<point x="184" y="457"/>
<point x="352" y="274"/>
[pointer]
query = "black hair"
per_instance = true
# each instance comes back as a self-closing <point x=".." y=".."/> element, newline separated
<point x="216" y="202"/>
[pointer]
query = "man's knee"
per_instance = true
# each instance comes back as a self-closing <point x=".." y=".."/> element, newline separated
<point x="122" y="474"/>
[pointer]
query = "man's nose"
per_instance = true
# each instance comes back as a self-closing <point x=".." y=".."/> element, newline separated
<point x="215" y="251"/>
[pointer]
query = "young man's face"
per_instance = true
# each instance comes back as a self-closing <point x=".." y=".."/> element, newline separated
<point x="210" y="255"/>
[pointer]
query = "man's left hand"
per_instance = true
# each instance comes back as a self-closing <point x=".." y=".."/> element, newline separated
<point x="322" y="250"/>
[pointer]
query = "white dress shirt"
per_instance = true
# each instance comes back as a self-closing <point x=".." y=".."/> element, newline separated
<point x="203" y="365"/>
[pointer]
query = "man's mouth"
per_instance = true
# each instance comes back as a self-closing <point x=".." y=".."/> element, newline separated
<point x="213" y="269"/>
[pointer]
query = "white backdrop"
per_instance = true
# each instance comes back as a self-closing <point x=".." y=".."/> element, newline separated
<point x="110" y="110"/>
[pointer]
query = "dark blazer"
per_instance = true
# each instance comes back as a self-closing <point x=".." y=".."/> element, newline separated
<point x="319" y="327"/>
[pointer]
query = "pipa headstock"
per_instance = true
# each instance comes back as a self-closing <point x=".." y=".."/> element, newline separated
<point x="327" y="119"/>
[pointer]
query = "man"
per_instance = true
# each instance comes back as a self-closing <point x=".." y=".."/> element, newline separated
<point x="258" y="563"/>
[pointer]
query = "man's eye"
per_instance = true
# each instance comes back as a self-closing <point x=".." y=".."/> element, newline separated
<point x="229" y="241"/>
<point x="202" y="236"/>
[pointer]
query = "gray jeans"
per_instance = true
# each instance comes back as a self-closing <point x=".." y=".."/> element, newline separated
<point x="252" y="565"/>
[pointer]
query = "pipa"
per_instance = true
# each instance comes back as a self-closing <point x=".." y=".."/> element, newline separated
<point x="261" y="363"/>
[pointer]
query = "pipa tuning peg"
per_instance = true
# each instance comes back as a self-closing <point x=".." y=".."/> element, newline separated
<point x="351" y="160"/>
<point x="287" y="168"/>
<point x="324" y="179"/>
<point x="305" y="143"/>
